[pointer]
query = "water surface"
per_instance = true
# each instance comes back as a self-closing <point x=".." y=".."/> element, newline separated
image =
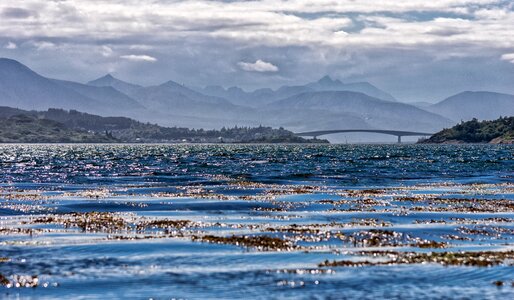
<point x="260" y="221"/>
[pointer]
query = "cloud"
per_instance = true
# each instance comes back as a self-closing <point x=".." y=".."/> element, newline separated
<point x="196" y="41"/>
<point x="140" y="47"/>
<point x="11" y="46"/>
<point x="134" y="57"/>
<point x="16" y="13"/>
<point x="258" y="66"/>
<point x="271" y="23"/>
<point x="106" y="51"/>
<point x="44" y="45"/>
<point x="508" y="57"/>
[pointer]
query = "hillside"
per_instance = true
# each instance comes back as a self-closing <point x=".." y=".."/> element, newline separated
<point x="500" y="131"/>
<point x="481" y="105"/>
<point x="30" y="129"/>
<point x="57" y="125"/>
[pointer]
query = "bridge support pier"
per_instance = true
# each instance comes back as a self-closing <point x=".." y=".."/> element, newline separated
<point x="399" y="139"/>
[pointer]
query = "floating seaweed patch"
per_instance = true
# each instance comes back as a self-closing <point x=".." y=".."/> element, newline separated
<point x="89" y="221"/>
<point x="430" y="244"/>
<point x="364" y="193"/>
<point x="20" y="281"/>
<point x="4" y="280"/>
<point x="260" y="242"/>
<point x="475" y="259"/>
<point x="165" y="224"/>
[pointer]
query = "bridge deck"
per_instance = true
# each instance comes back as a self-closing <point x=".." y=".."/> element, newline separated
<point x="397" y="133"/>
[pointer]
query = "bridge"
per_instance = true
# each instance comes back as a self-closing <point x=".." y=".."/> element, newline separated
<point x="397" y="133"/>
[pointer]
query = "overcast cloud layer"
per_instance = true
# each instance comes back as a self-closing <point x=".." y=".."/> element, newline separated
<point x="418" y="50"/>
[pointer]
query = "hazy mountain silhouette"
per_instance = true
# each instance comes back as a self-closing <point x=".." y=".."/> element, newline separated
<point x="301" y="119"/>
<point x="178" y="99"/>
<point x="265" y="96"/>
<point x="120" y="85"/>
<point x="375" y="112"/>
<point x="317" y="105"/>
<point x="421" y="104"/>
<point x="23" y="88"/>
<point x="170" y="103"/>
<point x="328" y="84"/>
<point x="106" y="95"/>
<point x="481" y="105"/>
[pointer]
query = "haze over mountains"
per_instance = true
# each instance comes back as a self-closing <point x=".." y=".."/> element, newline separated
<point x="325" y="104"/>
<point x="23" y="88"/>
<point x="375" y="112"/>
<point x="266" y="95"/>
<point x="481" y="105"/>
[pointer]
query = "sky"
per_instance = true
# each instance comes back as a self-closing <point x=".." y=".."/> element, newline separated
<point x="417" y="50"/>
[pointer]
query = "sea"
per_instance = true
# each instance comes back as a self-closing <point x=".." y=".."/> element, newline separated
<point x="256" y="221"/>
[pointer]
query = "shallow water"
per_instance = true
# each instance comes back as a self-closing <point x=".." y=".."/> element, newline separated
<point x="262" y="221"/>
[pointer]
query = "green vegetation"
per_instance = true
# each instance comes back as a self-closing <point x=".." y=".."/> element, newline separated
<point x="28" y="129"/>
<point x="57" y="125"/>
<point x="131" y="131"/>
<point x="474" y="131"/>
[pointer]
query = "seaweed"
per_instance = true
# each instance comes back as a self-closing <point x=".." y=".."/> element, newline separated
<point x="475" y="259"/>
<point x="261" y="242"/>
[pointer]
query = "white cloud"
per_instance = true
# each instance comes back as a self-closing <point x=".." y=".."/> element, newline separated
<point x="258" y="66"/>
<point x="197" y="40"/>
<point x="134" y="57"/>
<point x="106" y="51"/>
<point x="11" y="46"/>
<point x="508" y="57"/>
<point x="272" y="23"/>
<point x="140" y="47"/>
<point x="44" y="45"/>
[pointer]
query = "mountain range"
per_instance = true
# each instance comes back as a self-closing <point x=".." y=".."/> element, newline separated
<point x="266" y="95"/>
<point x="325" y="104"/>
<point x="23" y="88"/>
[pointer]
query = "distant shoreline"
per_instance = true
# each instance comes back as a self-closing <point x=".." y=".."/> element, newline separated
<point x="254" y="144"/>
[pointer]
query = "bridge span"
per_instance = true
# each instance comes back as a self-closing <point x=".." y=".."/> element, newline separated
<point x="397" y="133"/>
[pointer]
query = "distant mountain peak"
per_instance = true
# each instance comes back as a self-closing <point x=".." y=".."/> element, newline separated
<point x="107" y="79"/>
<point x="235" y="89"/>
<point x="328" y="81"/>
<point x="172" y="83"/>
<point x="111" y="81"/>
